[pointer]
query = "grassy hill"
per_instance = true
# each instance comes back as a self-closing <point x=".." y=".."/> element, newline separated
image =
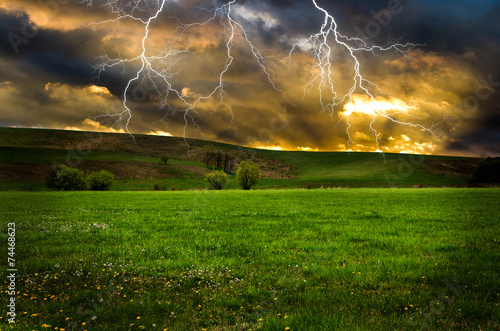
<point x="26" y="157"/>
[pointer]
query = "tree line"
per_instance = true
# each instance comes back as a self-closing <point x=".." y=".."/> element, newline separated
<point x="248" y="174"/>
<point x="219" y="161"/>
<point x="66" y="178"/>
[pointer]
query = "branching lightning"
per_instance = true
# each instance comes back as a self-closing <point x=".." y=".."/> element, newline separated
<point x="160" y="69"/>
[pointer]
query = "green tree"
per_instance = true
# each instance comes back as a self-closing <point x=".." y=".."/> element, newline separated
<point x="217" y="179"/>
<point x="248" y="175"/>
<point x="65" y="178"/>
<point x="164" y="159"/>
<point x="100" y="181"/>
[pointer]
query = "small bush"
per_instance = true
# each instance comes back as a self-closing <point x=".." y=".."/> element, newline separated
<point x="164" y="159"/>
<point x="65" y="178"/>
<point x="248" y="175"/>
<point x="100" y="181"/>
<point x="217" y="179"/>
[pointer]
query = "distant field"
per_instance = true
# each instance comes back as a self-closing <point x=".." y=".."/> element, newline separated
<point x="26" y="156"/>
<point x="351" y="259"/>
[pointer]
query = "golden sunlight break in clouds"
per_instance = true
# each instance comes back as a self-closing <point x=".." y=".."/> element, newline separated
<point x="159" y="133"/>
<point x="363" y="104"/>
<point x="91" y="125"/>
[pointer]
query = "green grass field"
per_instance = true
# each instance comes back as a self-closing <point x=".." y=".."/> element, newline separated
<point x="353" y="259"/>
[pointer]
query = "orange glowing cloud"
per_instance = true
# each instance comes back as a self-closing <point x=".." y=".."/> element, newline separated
<point x="91" y="125"/>
<point x="98" y="90"/>
<point x="96" y="126"/>
<point x="273" y="148"/>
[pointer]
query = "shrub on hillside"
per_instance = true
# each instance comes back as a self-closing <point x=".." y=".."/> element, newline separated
<point x="100" y="181"/>
<point x="487" y="172"/>
<point x="65" y="178"/>
<point x="217" y="179"/>
<point x="248" y="175"/>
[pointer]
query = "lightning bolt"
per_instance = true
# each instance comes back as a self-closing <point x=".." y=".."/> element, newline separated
<point x="159" y="69"/>
<point x="321" y="72"/>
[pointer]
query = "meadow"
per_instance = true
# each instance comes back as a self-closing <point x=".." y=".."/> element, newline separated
<point x="321" y="259"/>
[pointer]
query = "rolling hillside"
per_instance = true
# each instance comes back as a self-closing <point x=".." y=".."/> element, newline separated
<point x="26" y="157"/>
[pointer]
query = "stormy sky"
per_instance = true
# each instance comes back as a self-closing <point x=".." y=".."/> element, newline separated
<point x="283" y="74"/>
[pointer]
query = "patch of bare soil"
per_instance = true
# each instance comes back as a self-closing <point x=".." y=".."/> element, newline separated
<point x="141" y="170"/>
<point x="276" y="169"/>
<point x="24" y="172"/>
<point x="463" y="168"/>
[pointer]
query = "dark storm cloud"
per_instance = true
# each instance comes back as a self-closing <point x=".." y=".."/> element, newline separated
<point x="484" y="137"/>
<point x="70" y="70"/>
<point x="21" y="34"/>
<point x="55" y="53"/>
<point x="459" y="27"/>
<point x="303" y="18"/>
<point x="63" y="56"/>
<point x="482" y="145"/>
<point x="442" y="25"/>
<point x="13" y="26"/>
<point x="462" y="30"/>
